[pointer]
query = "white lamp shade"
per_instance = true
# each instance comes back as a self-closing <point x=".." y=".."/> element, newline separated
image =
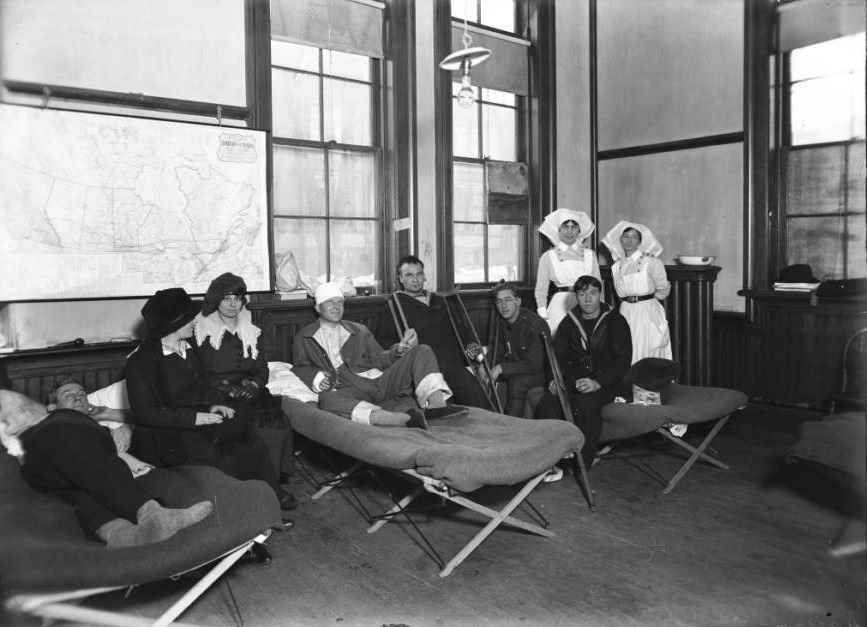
<point x="473" y="56"/>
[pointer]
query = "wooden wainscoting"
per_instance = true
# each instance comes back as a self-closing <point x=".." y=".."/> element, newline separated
<point x="34" y="372"/>
<point x="689" y="308"/>
<point x="791" y="354"/>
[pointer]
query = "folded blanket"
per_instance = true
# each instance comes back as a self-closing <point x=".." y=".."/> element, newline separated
<point x="466" y="451"/>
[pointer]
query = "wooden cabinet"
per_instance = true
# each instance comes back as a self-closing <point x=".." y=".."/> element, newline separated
<point x="791" y="352"/>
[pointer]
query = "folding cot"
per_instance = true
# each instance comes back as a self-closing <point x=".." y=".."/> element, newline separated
<point x="46" y="564"/>
<point x="687" y="405"/>
<point x="457" y="455"/>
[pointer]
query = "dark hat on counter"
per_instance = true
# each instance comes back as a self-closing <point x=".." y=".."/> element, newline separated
<point x="798" y="273"/>
<point x="224" y="285"/>
<point x="168" y="310"/>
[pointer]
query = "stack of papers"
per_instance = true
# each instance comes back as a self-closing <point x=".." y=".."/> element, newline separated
<point x="293" y="295"/>
<point x="796" y="287"/>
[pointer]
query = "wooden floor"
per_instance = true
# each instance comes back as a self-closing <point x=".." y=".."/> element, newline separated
<point x="748" y="546"/>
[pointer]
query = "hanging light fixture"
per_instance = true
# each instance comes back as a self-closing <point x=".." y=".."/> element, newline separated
<point x="463" y="60"/>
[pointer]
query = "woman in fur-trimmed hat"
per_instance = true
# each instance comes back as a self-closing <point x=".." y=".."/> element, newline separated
<point x="229" y="345"/>
<point x="229" y="340"/>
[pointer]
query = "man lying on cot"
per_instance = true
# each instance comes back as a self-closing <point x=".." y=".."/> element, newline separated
<point x="67" y="454"/>
<point x="358" y="379"/>
<point x="69" y="393"/>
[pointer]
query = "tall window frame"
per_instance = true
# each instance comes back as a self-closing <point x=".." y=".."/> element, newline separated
<point x="480" y="251"/>
<point x="820" y="203"/>
<point x="348" y="242"/>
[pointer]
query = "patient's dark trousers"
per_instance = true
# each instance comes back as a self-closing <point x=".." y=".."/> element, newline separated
<point x="586" y="414"/>
<point x="73" y="458"/>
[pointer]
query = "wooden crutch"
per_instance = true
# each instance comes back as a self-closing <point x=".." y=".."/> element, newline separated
<point x="488" y="387"/>
<point x="566" y="407"/>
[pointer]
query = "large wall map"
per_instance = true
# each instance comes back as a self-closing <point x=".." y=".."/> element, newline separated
<point x="99" y="206"/>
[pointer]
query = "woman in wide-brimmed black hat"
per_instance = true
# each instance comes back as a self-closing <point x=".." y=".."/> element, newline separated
<point x="181" y="418"/>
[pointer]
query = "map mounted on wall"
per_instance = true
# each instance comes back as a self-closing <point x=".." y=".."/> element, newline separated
<point x="99" y="206"/>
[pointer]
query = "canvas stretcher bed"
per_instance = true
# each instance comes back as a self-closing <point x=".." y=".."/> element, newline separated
<point x="687" y="405"/>
<point x="456" y="456"/>
<point x="47" y="565"/>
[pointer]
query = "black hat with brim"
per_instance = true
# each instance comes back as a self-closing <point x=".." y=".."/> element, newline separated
<point x="168" y="310"/>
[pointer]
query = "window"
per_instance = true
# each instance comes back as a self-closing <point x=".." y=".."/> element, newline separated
<point x="486" y="247"/>
<point x="823" y="158"/>
<point x="483" y="252"/>
<point x="326" y="188"/>
<point x="498" y="14"/>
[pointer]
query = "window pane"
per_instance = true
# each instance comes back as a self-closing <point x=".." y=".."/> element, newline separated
<point x="465" y="130"/>
<point x="499" y="14"/>
<point x="354" y="251"/>
<point x="468" y="203"/>
<point x="818" y="242"/>
<point x="347" y="65"/>
<point x="498" y="133"/>
<point x="857" y="175"/>
<point x="823" y="109"/>
<point x="353" y="186"/>
<point x="505" y="252"/>
<point x="299" y="181"/>
<point x="347" y="112"/>
<point x="815" y="180"/>
<point x="306" y="240"/>
<point x="856" y="248"/>
<point x="295" y="106"/>
<point x="294" y="56"/>
<point x="465" y="9"/>
<point x="469" y="253"/>
<point x="842" y="55"/>
<point x="499" y="97"/>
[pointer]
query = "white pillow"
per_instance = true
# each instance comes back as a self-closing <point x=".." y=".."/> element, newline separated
<point x="283" y="382"/>
<point x="112" y="396"/>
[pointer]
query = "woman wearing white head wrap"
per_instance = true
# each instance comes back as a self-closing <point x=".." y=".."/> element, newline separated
<point x="641" y="283"/>
<point x="563" y="264"/>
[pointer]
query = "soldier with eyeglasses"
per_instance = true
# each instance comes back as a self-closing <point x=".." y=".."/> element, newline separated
<point x="517" y="351"/>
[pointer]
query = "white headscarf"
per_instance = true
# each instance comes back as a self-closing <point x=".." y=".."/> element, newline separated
<point x="551" y="225"/>
<point x="649" y="245"/>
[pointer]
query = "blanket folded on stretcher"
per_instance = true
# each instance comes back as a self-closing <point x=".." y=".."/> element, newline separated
<point x="43" y="549"/>
<point x="686" y="405"/>
<point x="466" y="451"/>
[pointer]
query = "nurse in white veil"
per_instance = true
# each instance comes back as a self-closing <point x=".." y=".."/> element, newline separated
<point x="561" y="265"/>
<point x="642" y="284"/>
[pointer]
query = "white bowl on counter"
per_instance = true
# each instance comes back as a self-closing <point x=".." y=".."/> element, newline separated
<point x="692" y="260"/>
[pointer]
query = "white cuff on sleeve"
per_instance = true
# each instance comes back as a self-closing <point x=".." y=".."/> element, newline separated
<point x="317" y="380"/>
<point x="543" y="312"/>
<point x="361" y="412"/>
<point x="433" y="382"/>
